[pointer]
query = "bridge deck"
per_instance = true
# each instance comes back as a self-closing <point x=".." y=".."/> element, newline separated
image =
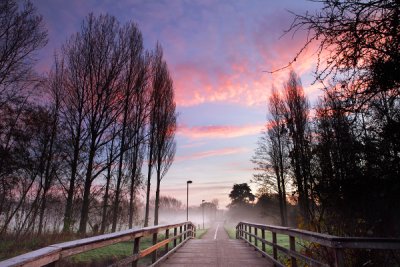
<point x="216" y="249"/>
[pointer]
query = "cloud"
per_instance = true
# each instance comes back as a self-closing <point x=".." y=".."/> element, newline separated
<point x="241" y="81"/>
<point x="211" y="153"/>
<point x="212" y="132"/>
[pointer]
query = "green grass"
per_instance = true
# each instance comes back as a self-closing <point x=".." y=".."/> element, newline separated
<point x="110" y="253"/>
<point x="231" y="232"/>
<point x="102" y="255"/>
<point x="200" y="233"/>
<point x="282" y="240"/>
<point x="113" y="253"/>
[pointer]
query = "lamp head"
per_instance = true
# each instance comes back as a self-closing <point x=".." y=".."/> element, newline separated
<point x="189" y="182"/>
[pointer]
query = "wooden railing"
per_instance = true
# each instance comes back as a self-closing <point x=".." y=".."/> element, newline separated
<point x="52" y="254"/>
<point x="251" y="232"/>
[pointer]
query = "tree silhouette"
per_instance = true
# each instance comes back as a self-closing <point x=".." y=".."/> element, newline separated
<point x="241" y="195"/>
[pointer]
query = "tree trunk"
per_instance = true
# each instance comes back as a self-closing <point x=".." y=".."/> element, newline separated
<point x="146" y="216"/>
<point x="157" y="201"/>
<point x="121" y="160"/>
<point x="132" y="188"/>
<point x="86" y="193"/>
<point x="71" y="188"/>
<point x="106" y="193"/>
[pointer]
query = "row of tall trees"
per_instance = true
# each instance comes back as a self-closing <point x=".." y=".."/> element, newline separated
<point x="342" y="157"/>
<point x="81" y="133"/>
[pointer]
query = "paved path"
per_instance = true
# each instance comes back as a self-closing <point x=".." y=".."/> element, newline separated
<point x="215" y="249"/>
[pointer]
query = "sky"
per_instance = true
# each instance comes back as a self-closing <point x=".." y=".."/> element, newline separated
<point x="217" y="53"/>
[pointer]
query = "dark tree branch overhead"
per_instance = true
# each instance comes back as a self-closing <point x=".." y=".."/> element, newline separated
<point x="22" y="33"/>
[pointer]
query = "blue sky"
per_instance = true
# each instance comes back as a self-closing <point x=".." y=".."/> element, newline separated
<point x="216" y="52"/>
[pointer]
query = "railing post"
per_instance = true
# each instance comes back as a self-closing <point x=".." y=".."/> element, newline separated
<point x="237" y="231"/>
<point x="136" y="247"/>
<point x="339" y="257"/>
<point x="175" y="234"/>
<point x="250" y="239"/>
<point x="166" y="237"/>
<point x="293" y="260"/>
<point x="184" y="228"/>
<point x="274" y="249"/>
<point x="263" y="238"/>
<point x="154" y="256"/>
<point x="180" y="230"/>
<point x="255" y="238"/>
<point x="245" y="231"/>
<point x="192" y="229"/>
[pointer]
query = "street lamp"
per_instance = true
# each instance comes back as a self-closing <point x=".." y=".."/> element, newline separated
<point x="202" y="205"/>
<point x="187" y="199"/>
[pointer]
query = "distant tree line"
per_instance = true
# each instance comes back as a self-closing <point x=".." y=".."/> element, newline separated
<point x="77" y="138"/>
<point x="342" y="158"/>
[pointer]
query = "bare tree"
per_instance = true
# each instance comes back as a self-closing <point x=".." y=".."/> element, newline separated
<point x="360" y="43"/>
<point x="296" y="113"/>
<point x="165" y="122"/>
<point x="95" y="57"/>
<point x="22" y="33"/>
<point x="54" y="86"/>
<point x="134" y="76"/>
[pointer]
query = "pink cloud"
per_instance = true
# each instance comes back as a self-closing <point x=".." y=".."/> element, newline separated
<point x="196" y="85"/>
<point x="219" y="131"/>
<point x="211" y="153"/>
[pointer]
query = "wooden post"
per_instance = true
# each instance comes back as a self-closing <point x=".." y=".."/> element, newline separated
<point x="245" y="231"/>
<point x="180" y="231"/>
<point x="293" y="260"/>
<point x="154" y="254"/>
<point x="184" y="228"/>
<point x="136" y="247"/>
<point x="175" y="234"/>
<point x="274" y="249"/>
<point x="339" y="257"/>
<point x="250" y="239"/>
<point x="263" y="238"/>
<point x="256" y="234"/>
<point x="166" y="237"/>
<point x="237" y="231"/>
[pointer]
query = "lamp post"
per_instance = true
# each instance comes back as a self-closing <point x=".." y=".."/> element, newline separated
<point x="187" y="199"/>
<point x="202" y="205"/>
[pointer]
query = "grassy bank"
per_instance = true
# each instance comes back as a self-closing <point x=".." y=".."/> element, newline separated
<point x="282" y="240"/>
<point x="200" y="233"/>
<point x="98" y="257"/>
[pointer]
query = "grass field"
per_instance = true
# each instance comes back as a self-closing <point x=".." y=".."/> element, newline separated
<point x="97" y="257"/>
<point x="282" y="240"/>
<point x="118" y="251"/>
<point x="200" y="233"/>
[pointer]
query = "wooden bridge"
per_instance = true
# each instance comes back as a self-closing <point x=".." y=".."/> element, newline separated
<point x="255" y="245"/>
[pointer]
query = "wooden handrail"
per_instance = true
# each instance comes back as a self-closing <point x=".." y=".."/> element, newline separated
<point x="244" y="231"/>
<point x="53" y="253"/>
